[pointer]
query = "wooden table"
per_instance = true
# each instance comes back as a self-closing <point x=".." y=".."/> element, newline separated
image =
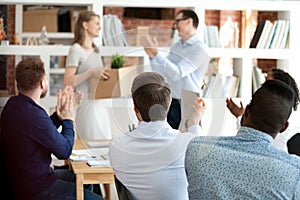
<point x="90" y="175"/>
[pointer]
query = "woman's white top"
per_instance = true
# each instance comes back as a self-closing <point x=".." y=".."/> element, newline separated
<point x="92" y="120"/>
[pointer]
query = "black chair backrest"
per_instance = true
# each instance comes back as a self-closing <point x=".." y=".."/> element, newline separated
<point x="293" y="144"/>
<point x="122" y="191"/>
<point x="5" y="189"/>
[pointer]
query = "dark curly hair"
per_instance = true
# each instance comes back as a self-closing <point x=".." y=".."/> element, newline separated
<point x="283" y="76"/>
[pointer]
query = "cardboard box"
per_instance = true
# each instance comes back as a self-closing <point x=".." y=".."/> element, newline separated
<point x="74" y="14"/>
<point x="34" y="20"/>
<point x="118" y="85"/>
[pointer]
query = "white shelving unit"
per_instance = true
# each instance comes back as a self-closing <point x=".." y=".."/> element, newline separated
<point x="243" y="57"/>
<point x="90" y="4"/>
<point x="45" y="52"/>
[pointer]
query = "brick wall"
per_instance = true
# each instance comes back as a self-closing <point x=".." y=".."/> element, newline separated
<point x="161" y="29"/>
<point x="11" y="59"/>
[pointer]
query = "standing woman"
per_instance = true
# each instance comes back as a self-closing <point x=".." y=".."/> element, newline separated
<point x="84" y="62"/>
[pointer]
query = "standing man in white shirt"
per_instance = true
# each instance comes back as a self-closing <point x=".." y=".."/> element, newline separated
<point x="185" y="65"/>
<point x="149" y="160"/>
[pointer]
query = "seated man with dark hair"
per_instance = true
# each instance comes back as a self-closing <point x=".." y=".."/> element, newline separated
<point x="29" y="137"/>
<point x="248" y="166"/>
<point x="149" y="161"/>
<point x="274" y="74"/>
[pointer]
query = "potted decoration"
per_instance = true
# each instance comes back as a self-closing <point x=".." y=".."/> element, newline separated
<point x="119" y="82"/>
<point x="117" y="61"/>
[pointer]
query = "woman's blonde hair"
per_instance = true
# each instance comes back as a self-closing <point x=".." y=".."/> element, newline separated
<point x="84" y="16"/>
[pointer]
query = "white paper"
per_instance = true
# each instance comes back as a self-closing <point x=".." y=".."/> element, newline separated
<point x="89" y="153"/>
<point x="82" y="158"/>
<point x="187" y="102"/>
<point x="98" y="162"/>
<point x="99" y="144"/>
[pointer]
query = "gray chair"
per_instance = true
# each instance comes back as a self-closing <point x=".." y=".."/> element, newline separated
<point x="122" y="191"/>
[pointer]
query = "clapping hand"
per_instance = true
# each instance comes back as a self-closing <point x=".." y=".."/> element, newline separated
<point x="235" y="109"/>
<point x="67" y="102"/>
<point x="150" y="45"/>
<point x="199" y="108"/>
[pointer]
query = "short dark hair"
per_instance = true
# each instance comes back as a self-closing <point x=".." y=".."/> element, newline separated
<point x="271" y="106"/>
<point x="190" y="14"/>
<point x="29" y="72"/>
<point x="288" y="79"/>
<point x="151" y="96"/>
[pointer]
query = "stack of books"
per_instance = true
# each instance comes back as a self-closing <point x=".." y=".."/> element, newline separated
<point x="221" y="87"/>
<point x="271" y="35"/>
<point x="212" y="37"/>
<point x="114" y="33"/>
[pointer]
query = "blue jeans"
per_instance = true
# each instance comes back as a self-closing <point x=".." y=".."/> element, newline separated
<point x="64" y="188"/>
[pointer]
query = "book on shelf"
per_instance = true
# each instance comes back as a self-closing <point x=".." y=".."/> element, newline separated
<point x="271" y="35"/>
<point x="268" y="33"/>
<point x="218" y="88"/>
<point x="287" y="45"/>
<point x="278" y="34"/>
<point x="281" y="35"/>
<point x="231" y="85"/>
<point x="114" y="33"/>
<point x="257" y="34"/>
<point x="221" y="87"/>
<point x="205" y="35"/>
<point x="285" y="35"/>
<point x="264" y="35"/>
<point x="212" y="36"/>
<point x="211" y="84"/>
<point x="257" y="78"/>
<point x="107" y="39"/>
<point x="120" y="33"/>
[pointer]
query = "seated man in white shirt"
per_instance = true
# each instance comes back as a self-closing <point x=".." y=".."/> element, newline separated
<point x="149" y="160"/>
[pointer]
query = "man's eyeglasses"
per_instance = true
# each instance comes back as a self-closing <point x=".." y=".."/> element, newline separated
<point x="176" y="21"/>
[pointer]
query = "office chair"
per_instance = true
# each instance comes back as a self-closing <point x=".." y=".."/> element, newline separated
<point x="122" y="191"/>
<point x="5" y="189"/>
<point x="293" y="144"/>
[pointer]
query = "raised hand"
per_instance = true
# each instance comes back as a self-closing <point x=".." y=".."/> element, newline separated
<point x="150" y="45"/>
<point x="235" y="109"/>
<point x="199" y="108"/>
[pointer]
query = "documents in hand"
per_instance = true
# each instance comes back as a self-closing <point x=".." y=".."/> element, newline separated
<point x="187" y="101"/>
